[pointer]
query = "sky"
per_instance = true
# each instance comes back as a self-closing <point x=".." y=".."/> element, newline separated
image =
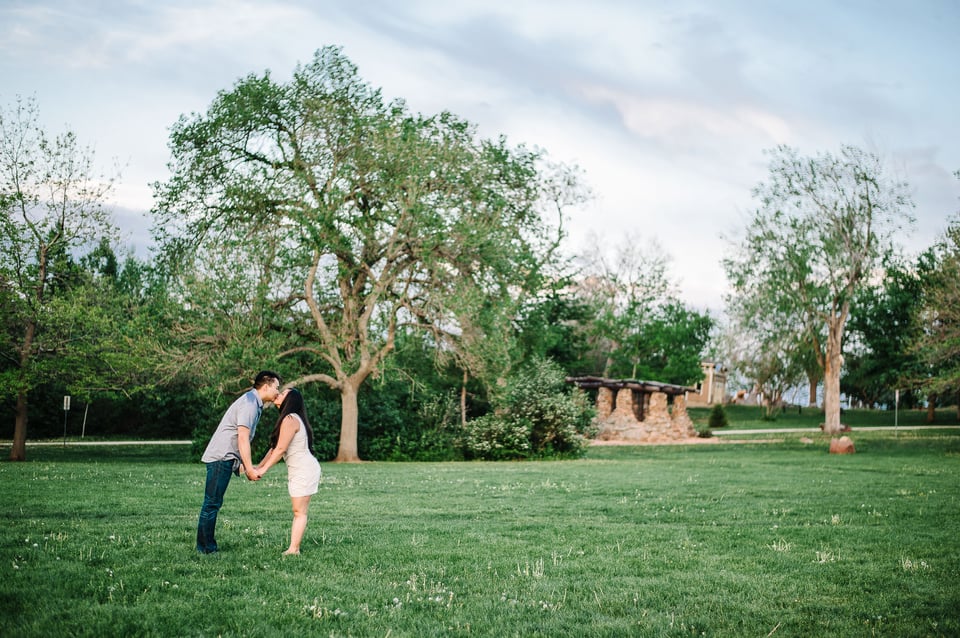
<point x="666" y="107"/>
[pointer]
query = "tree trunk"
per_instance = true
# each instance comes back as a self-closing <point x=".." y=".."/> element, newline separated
<point x="931" y="408"/>
<point x="463" y="401"/>
<point x="19" y="450"/>
<point x="831" y="379"/>
<point x="812" y="400"/>
<point x="348" y="452"/>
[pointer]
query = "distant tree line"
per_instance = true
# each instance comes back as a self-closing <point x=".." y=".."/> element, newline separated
<point x="405" y="273"/>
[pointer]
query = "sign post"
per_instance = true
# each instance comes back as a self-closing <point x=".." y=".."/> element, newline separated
<point x="66" y="409"/>
<point x="896" y="412"/>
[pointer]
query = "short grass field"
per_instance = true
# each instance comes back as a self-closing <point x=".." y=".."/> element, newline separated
<point x="758" y="539"/>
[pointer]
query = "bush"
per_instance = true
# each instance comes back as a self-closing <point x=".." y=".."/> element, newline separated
<point x="495" y="438"/>
<point x="400" y="425"/>
<point x="538" y="416"/>
<point x="718" y="417"/>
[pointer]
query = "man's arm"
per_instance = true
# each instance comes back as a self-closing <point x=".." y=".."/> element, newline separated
<point x="243" y="442"/>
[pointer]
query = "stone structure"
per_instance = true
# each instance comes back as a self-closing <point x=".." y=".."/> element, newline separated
<point x="631" y="410"/>
<point x="680" y="416"/>
<point x="604" y="403"/>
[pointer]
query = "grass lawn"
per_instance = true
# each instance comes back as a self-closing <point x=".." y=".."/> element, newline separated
<point x="774" y="539"/>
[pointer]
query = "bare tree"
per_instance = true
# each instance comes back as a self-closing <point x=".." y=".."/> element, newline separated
<point x="820" y="231"/>
<point x="52" y="202"/>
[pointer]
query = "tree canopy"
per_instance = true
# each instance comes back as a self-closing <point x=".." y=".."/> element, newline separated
<point x="937" y="336"/>
<point x="57" y="320"/>
<point x="315" y="219"/>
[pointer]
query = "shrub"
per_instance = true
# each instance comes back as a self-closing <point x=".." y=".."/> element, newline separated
<point x="495" y="438"/>
<point x="538" y="415"/>
<point x="423" y="427"/>
<point x="718" y="417"/>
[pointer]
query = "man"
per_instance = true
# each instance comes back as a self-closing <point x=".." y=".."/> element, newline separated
<point x="229" y="451"/>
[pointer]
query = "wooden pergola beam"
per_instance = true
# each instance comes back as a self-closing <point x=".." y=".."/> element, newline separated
<point x="645" y="387"/>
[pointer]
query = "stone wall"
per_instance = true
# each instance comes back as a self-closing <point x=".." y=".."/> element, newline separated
<point x="659" y="423"/>
<point x="604" y="403"/>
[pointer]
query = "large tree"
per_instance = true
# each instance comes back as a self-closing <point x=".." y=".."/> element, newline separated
<point x="51" y="206"/>
<point x="320" y="218"/>
<point x="822" y="229"/>
<point x="622" y="284"/>
<point x="881" y="328"/>
<point x="667" y="345"/>
<point x="639" y="328"/>
<point x="767" y="348"/>
<point x="937" y="337"/>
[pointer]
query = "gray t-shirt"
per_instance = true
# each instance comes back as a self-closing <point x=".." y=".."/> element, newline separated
<point x="223" y="444"/>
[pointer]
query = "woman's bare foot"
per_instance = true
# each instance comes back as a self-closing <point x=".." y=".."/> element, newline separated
<point x="292" y="552"/>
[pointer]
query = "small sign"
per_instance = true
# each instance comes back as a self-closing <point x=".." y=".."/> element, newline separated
<point x="66" y="403"/>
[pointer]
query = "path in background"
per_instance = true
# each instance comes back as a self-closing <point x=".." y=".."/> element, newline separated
<point x="716" y="432"/>
<point x="726" y="432"/>
<point x="29" y="443"/>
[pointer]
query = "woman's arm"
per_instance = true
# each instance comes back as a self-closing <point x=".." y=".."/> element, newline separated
<point x="288" y="428"/>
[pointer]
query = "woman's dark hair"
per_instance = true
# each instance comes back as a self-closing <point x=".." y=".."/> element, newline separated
<point x="292" y="404"/>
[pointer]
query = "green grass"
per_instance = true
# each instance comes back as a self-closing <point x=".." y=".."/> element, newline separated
<point x="776" y="539"/>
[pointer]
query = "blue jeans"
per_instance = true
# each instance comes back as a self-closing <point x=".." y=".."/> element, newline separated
<point x="218" y="477"/>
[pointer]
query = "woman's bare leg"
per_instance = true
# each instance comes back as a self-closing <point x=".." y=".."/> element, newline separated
<point x="300" y="506"/>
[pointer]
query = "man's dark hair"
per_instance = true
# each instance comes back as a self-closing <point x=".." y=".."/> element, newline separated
<point x="265" y="377"/>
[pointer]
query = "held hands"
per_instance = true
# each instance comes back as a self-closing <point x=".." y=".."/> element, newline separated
<point x="252" y="474"/>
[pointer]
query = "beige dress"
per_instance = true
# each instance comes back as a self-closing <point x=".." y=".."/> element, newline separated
<point x="303" y="469"/>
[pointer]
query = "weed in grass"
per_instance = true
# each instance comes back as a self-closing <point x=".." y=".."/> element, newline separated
<point x="780" y="545"/>
<point x="909" y="565"/>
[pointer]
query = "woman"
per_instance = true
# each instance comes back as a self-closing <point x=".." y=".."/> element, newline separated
<point x="292" y="440"/>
